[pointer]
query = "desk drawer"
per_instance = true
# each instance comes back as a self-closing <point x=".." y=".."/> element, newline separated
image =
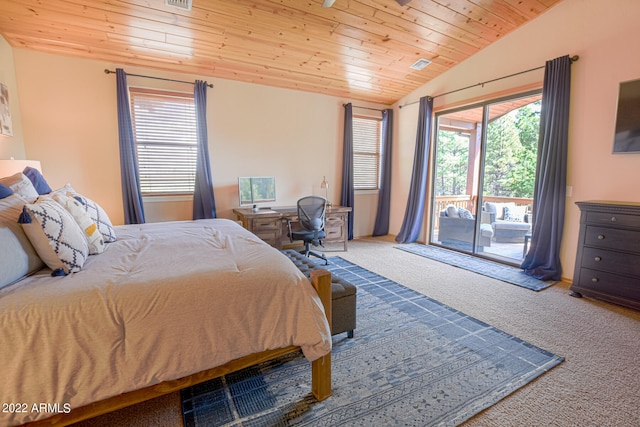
<point x="612" y="238"/>
<point x="265" y="224"/>
<point x="334" y="228"/>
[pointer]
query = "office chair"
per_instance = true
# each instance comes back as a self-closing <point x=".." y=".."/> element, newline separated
<point x="311" y="211"/>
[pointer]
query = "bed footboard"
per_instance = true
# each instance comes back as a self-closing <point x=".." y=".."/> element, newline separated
<point x="320" y="373"/>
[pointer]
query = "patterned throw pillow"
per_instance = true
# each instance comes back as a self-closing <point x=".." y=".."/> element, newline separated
<point x="516" y="213"/>
<point x="55" y="235"/>
<point x="465" y="213"/>
<point x="98" y="215"/>
<point x="95" y="240"/>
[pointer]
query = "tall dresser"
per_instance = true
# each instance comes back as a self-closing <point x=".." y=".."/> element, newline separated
<point x="608" y="258"/>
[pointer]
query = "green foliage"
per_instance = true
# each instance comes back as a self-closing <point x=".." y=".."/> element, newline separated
<point x="510" y="156"/>
<point x="452" y="161"/>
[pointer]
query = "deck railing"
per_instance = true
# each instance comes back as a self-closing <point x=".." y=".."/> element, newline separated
<point x="468" y="202"/>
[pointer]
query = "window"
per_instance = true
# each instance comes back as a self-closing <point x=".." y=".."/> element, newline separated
<point x="366" y="153"/>
<point x="164" y="128"/>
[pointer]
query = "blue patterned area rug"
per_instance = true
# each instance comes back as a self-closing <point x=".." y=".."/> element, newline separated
<point x="506" y="273"/>
<point x="412" y="362"/>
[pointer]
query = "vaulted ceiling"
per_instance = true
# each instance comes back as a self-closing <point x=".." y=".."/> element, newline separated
<point x="356" y="49"/>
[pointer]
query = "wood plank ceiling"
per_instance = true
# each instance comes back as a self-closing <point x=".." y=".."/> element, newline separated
<point x="357" y="49"/>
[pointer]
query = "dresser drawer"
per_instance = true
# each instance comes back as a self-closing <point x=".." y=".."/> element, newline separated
<point x="612" y="238"/>
<point x="618" y="220"/>
<point x="608" y="283"/>
<point x="613" y="262"/>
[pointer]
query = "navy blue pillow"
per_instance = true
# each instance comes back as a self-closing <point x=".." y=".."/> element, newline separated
<point x="5" y="191"/>
<point x="37" y="180"/>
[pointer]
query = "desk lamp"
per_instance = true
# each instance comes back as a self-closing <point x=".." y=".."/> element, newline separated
<point x="325" y="184"/>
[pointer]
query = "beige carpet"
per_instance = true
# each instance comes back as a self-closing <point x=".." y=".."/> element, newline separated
<point x="597" y="385"/>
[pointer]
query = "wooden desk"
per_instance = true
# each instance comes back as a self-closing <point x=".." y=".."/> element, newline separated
<point x="271" y="225"/>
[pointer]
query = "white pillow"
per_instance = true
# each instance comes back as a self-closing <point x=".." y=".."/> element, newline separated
<point x="452" y="212"/>
<point x="94" y="238"/>
<point x="55" y="235"/>
<point x="22" y="185"/>
<point x="18" y="258"/>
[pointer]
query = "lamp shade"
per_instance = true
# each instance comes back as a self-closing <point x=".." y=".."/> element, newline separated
<point x="10" y="167"/>
<point x="324" y="183"/>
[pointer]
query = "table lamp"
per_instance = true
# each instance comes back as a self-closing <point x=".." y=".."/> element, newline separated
<point x="11" y="166"/>
<point x="325" y="184"/>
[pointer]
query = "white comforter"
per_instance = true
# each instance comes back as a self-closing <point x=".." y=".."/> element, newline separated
<point x="164" y="301"/>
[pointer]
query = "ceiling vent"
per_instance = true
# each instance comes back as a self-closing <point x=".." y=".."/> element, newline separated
<point x="182" y="4"/>
<point x="420" y="64"/>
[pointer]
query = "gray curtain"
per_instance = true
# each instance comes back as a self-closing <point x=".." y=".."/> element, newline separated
<point x="414" y="213"/>
<point x="131" y="194"/>
<point x="204" y="204"/>
<point x="346" y="195"/>
<point x="381" y="226"/>
<point x="543" y="259"/>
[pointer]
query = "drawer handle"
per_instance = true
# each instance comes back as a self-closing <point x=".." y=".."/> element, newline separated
<point x="595" y="280"/>
<point x="613" y="219"/>
<point x="600" y="236"/>
<point x="598" y="258"/>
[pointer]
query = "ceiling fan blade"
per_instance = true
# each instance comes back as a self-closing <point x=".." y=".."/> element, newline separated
<point x="328" y="3"/>
<point x="402" y="2"/>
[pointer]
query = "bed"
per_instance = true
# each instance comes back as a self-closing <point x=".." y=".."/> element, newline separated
<point x="164" y="306"/>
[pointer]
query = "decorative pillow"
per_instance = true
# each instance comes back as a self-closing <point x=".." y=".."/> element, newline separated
<point x="5" y="191"/>
<point x="55" y="235"/>
<point x="18" y="258"/>
<point x="20" y="184"/>
<point x="38" y="181"/>
<point x="452" y="212"/>
<point x="94" y="238"/>
<point x="498" y="208"/>
<point x="98" y="215"/>
<point x="465" y="213"/>
<point x="515" y="213"/>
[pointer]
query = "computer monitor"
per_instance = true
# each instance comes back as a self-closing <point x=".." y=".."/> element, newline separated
<point x="256" y="189"/>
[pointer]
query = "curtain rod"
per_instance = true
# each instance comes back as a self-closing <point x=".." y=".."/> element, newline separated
<point x="574" y="58"/>
<point x="364" y="108"/>
<point x="106" y="71"/>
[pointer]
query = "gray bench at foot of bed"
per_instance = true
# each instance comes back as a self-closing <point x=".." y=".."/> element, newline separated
<point x="343" y="295"/>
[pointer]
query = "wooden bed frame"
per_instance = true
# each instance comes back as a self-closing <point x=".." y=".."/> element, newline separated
<point x="320" y="373"/>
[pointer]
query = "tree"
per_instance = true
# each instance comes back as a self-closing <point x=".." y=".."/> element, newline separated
<point x="452" y="163"/>
<point x="512" y="145"/>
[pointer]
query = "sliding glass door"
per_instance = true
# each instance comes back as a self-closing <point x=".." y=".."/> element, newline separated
<point x="484" y="173"/>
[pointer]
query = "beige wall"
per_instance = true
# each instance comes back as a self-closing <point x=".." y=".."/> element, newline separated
<point x="11" y="146"/>
<point x="604" y="35"/>
<point x="70" y="121"/>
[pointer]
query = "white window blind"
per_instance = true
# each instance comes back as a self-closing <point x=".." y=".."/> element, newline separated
<point x="366" y="153"/>
<point x="164" y="128"/>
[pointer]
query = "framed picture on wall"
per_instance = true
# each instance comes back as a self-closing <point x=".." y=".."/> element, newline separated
<point x="627" y="136"/>
<point x="5" y="112"/>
